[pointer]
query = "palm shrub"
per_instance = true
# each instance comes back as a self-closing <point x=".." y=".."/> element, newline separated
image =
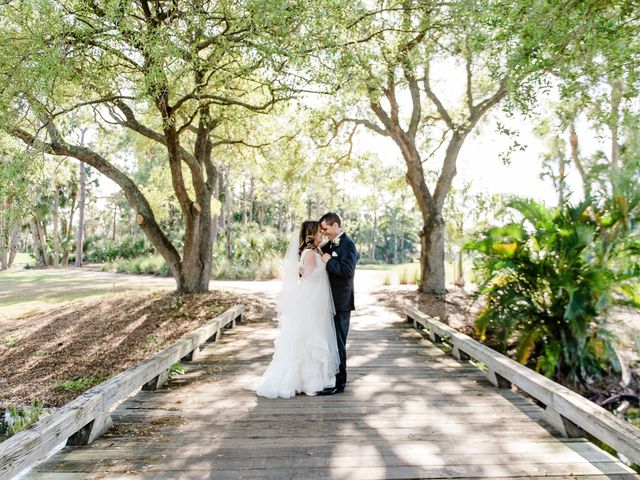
<point x="257" y="253"/>
<point x="546" y="292"/>
<point x="101" y="249"/>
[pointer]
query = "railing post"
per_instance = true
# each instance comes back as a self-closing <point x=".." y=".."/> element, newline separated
<point x="498" y="380"/>
<point x="563" y="425"/>
<point x="156" y="382"/>
<point x="216" y="336"/>
<point x="191" y="356"/>
<point x="459" y="354"/>
<point x="91" y="431"/>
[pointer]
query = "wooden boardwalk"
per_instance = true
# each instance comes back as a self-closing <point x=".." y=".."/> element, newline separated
<point x="410" y="411"/>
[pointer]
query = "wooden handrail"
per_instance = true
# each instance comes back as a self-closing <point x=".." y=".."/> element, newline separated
<point x="565" y="410"/>
<point x="87" y="417"/>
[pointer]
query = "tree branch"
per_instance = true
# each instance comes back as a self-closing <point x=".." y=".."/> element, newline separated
<point x="57" y="146"/>
<point x="226" y="101"/>
<point x="482" y="107"/>
<point x="469" y="77"/>
<point x="382" y="116"/>
<point x="130" y="121"/>
<point x="416" y="111"/>
<point x="436" y="101"/>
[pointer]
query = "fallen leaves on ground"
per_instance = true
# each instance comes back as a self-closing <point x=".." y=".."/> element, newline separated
<point x="101" y="337"/>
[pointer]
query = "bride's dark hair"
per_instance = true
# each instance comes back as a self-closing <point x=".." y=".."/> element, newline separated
<point x="308" y="231"/>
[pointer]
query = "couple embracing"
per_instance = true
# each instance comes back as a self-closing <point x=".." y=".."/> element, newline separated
<point x="314" y="309"/>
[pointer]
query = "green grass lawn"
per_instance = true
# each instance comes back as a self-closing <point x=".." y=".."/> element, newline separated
<point x="24" y="291"/>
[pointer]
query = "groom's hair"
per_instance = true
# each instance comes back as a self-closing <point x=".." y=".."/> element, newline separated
<point x="331" y="218"/>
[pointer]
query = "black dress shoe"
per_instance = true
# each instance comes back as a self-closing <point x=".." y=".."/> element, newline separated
<point x="331" y="390"/>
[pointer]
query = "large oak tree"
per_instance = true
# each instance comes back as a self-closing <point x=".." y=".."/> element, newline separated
<point x="401" y="63"/>
<point x="173" y="72"/>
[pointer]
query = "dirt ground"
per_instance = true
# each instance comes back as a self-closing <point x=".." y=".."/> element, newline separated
<point x="40" y="351"/>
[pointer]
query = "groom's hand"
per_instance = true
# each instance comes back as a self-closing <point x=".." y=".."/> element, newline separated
<point x="326" y="257"/>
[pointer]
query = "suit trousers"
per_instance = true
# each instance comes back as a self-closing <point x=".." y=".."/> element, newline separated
<point x="341" y="321"/>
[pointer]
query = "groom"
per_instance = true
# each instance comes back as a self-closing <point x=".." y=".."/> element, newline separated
<point x="340" y="256"/>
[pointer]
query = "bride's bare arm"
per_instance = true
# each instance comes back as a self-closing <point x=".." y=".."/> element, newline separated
<point x="308" y="263"/>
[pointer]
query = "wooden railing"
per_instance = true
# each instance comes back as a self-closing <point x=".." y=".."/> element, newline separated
<point x="569" y="413"/>
<point x="87" y="417"/>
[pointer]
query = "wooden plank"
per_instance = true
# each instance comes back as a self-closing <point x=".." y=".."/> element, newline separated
<point x="179" y="450"/>
<point x="230" y="475"/>
<point x="369" y="457"/>
<point x="392" y="455"/>
<point x="361" y="469"/>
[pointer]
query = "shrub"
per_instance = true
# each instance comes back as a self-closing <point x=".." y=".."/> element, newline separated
<point x="100" y="249"/>
<point x="80" y="384"/>
<point x="256" y="254"/>
<point x="148" y="264"/>
<point x="17" y="419"/>
<point x="267" y="269"/>
<point x="546" y="293"/>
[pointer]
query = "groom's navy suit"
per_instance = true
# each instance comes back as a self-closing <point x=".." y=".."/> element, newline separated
<point x="341" y="269"/>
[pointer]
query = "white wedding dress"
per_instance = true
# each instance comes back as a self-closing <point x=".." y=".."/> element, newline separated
<point x="306" y="358"/>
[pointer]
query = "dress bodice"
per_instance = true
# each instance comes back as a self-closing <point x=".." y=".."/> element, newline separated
<point x="318" y="265"/>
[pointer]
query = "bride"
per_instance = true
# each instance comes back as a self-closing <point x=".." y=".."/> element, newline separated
<point x="306" y="358"/>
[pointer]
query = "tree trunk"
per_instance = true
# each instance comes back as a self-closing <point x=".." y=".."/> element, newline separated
<point x="292" y="224"/>
<point x="460" y="271"/>
<point x="573" y="141"/>
<point x="243" y="203"/>
<point x="432" y="278"/>
<point x="222" y="195"/>
<point x="115" y="214"/>
<point x="215" y="216"/>
<point x="67" y="232"/>
<point x="395" y="249"/>
<point x="80" y="230"/>
<point x="280" y="217"/>
<point x="373" y="236"/>
<point x="42" y="235"/>
<point x="57" y="249"/>
<point x="39" y="252"/>
<point x="136" y="230"/>
<point x="227" y="227"/>
<point x="4" y="248"/>
<point x="261" y="214"/>
<point x="195" y="268"/>
<point x="252" y="194"/>
<point x="13" y="246"/>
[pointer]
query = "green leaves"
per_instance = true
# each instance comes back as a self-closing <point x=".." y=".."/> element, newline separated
<point x="545" y="292"/>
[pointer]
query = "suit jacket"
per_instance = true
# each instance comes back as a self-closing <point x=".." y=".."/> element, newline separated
<point x="341" y="269"/>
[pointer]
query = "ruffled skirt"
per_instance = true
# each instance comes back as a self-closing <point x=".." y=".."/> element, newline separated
<point x="305" y="359"/>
